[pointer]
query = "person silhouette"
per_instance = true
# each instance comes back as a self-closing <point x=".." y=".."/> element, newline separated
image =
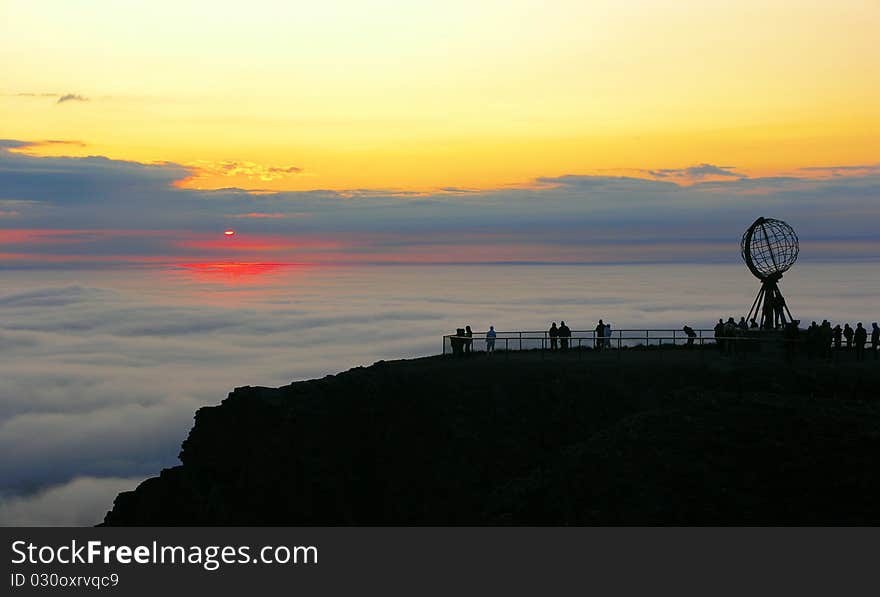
<point x="600" y="334"/>
<point x="469" y="341"/>
<point x="848" y="334"/>
<point x="718" y="332"/>
<point x="730" y="335"/>
<point x="812" y="339"/>
<point x="490" y="339"/>
<point x="743" y="325"/>
<point x="457" y="342"/>
<point x="838" y="336"/>
<point x="826" y="338"/>
<point x="691" y="334"/>
<point x="875" y="340"/>
<point x="607" y="335"/>
<point x="564" y="335"/>
<point x="861" y="336"/>
<point x="553" y="332"/>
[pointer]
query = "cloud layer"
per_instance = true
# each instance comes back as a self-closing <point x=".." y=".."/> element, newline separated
<point x="125" y="212"/>
<point x="103" y="370"/>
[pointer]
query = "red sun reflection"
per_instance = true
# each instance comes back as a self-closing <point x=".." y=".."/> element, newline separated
<point x="229" y="232"/>
<point x="209" y="271"/>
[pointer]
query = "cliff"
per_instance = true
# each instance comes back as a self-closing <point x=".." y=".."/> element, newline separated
<point x="671" y="437"/>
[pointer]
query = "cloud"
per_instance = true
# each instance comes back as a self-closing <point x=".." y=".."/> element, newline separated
<point x="83" y="501"/>
<point x="250" y="170"/>
<point x="122" y="212"/>
<point x="698" y="172"/>
<point x="71" y="97"/>
<point x="102" y="370"/>
<point x="864" y="169"/>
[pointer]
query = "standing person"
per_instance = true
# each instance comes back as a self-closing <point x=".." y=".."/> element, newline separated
<point x="861" y="336"/>
<point x="600" y="334"/>
<point x="875" y="340"/>
<point x="719" y="335"/>
<point x="564" y="335"/>
<point x="838" y="336"/>
<point x="730" y="334"/>
<point x="607" y="335"/>
<point x="490" y="339"/>
<point x="553" y="332"/>
<point x="469" y="339"/>
<point x="753" y="324"/>
<point x="848" y="334"/>
<point x="826" y="336"/>
<point x="812" y="339"/>
<point x="743" y="325"/>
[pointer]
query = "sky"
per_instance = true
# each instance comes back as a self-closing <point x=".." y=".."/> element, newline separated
<point x="345" y="94"/>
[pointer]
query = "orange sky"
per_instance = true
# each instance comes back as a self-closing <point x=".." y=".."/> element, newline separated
<point x="402" y="95"/>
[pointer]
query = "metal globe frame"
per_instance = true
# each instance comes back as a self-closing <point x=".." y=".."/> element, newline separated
<point x="769" y="247"/>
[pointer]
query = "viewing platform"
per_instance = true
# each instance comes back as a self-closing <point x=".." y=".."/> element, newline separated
<point x="584" y="339"/>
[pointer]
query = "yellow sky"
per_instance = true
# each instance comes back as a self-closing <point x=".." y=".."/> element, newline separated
<point x="358" y="94"/>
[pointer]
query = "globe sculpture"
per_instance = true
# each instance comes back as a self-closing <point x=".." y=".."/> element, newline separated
<point x="769" y="248"/>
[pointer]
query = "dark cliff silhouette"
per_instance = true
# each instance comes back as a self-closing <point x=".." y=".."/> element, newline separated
<point x="526" y="440"/>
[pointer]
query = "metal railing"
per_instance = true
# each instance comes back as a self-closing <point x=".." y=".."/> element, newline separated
<point x="742" y="343"/>
<point x="579" y="339"/>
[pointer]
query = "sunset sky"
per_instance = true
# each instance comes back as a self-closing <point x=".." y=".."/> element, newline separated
<point x="428" y="98"/>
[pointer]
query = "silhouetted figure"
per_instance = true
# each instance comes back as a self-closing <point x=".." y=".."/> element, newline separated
<point x="553" y="332"/>
<point x="564" y="335"/>
<point x="779" y="311"/>
<point x="860" y="336"/>
<point x="469" y="340"/>
<point x="457" y="342"/>
<point x="490" y="339"/>
<point x="607" y="334"/>
<point x="812" y="340"/>
<point x="848" y="334"/>
<point x="753" y="324"/>
<point x="826" y="334"/>
<point x="875" y="340"/>
<point x="730" y="334"/>
<point x="600" y="334"/>
<point x="719" y="335"/>
<point x="691" y="334"/>
<point x="743" y="325"/>
<point x="838" y="336"/>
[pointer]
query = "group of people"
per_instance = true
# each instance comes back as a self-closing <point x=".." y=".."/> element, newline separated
<point x="559" y="336"/>
<point x="726" y="332"/>
<point x="820" y="339"/>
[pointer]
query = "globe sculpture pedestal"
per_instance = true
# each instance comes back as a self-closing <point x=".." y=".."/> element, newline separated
<point x="769" y="248"/>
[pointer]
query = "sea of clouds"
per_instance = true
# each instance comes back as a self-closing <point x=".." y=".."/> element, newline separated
<point x="103" y="370"/>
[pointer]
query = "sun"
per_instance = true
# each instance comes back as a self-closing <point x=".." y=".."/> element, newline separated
<point x="229" y="232"/>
